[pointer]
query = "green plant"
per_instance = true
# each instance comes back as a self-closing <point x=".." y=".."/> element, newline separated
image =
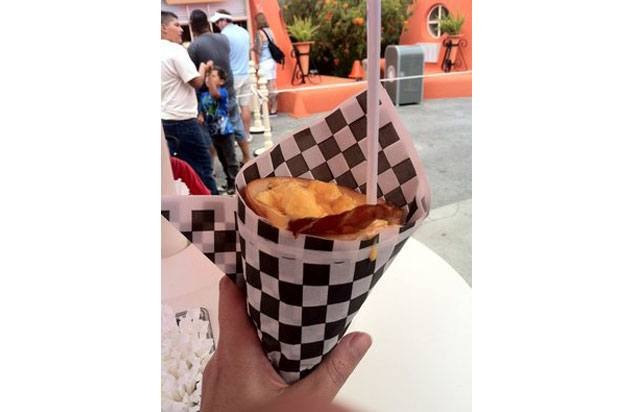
<point x="302" y="29"/>
<point x="451" y="24"/>
<point x="344" y="38"/>
<point x="299" y="8"/>
<point x="395" y="15"/>
<point x="341" y="36"/>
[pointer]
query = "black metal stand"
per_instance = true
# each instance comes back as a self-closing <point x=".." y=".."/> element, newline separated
<point x="298" y="77"/>
<point x="447" y="63"/>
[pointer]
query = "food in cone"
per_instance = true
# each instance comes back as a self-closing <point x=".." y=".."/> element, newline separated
<point x="304" y="289"/>
<point x="319" y="208"/>
<point x="311" y="247"/>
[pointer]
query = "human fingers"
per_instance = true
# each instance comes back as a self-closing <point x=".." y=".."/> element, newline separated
<point x="234" y="325"/>
<point x="331" y="374"/>
<point x="239" y="349"/>
<point x="238" y="336"/>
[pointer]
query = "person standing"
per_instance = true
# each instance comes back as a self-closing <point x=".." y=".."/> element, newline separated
<point x="263" y="36"/>
<point x="240" y="47"/>
<point x="213" y="108"/>
<point x="179" y="82"/>
<point x="216" y="48"/>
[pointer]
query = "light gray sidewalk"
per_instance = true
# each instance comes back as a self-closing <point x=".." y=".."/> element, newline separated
<point x="447" y="231"/>
<point x="441" y="130"/>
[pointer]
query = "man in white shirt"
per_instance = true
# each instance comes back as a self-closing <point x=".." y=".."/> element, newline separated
<point x="240" y="47"/>
<point x="179" y="80"/>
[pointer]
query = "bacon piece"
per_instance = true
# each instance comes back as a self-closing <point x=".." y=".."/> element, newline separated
<point x="349" y="222"/>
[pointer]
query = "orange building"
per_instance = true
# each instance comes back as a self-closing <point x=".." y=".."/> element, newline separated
<point x="422" y="28"/>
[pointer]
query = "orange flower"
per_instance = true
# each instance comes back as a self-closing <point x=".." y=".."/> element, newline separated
<point x="359" y="21"/>
<point x="328" y="16"/>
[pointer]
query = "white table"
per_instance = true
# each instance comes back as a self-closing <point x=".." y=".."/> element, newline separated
<point x="419" y="315"/>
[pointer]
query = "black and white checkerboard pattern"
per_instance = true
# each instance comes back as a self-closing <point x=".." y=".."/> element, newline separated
<point x="302" y="303"/>
<point x="335" y="149"/>
<point x="303" y="292"/>
<point x="208" y="222"/>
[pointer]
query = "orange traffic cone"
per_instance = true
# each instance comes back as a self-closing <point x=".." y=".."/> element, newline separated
<point x="357" y="71"/>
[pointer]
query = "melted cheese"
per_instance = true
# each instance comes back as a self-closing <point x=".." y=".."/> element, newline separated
<point x="299" y="200"/>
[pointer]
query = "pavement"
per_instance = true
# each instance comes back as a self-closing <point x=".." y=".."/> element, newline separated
<point x="441" y="131"/>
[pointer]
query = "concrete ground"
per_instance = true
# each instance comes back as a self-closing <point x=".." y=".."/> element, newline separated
<point x="441" y="130"/>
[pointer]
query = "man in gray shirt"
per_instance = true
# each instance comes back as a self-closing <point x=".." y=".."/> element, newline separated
<point x="216" y="47"/>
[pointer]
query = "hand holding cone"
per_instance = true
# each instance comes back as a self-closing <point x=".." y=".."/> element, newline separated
<point x="303" y="291"/>
<point x="239" y="377"/>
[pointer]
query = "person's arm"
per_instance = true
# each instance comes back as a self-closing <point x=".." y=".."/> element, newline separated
<point x="198" y="82"/>
<point x="257" y="48"/>
<point x="213" y="89"/>
<point x="186" y="69"/>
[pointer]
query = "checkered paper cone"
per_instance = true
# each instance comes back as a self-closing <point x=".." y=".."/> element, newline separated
<point x="208" y="222"/>
<point x="303" y="292"/>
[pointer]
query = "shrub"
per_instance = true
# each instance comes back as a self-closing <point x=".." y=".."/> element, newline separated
<point x="341" y="36"/>
<point x="302" y="29"/>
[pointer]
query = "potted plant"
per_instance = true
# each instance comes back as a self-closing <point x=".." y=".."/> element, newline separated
<point x="341" y="36"/>
<point x="301" y="33"/>
<point x="451" y="26"/>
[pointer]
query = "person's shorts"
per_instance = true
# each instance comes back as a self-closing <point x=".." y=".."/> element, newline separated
<point x="234" y="118"/>
<point x="242" y="86"/>
<point x="270" y="69"/>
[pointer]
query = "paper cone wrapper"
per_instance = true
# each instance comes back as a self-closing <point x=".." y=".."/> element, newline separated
<point x="303" y="291"/>
<point x="208" y="222"/>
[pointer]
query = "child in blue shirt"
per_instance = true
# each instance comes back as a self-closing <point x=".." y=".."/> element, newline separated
<point x="214" y="114"/>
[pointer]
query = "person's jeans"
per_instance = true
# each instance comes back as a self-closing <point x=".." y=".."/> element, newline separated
<point x="224" y="144"/>
<point x="191" y="148"/>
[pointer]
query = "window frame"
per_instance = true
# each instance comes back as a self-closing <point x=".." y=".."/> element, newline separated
<point x="442" y="12"/>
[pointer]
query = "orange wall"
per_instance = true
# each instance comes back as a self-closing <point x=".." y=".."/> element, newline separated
<point x="275" y="20"/>
<point x="417" y="30"/>
<point x="417" y="25"/>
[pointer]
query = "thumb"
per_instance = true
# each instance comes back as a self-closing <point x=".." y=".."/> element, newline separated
<point x="326" y="380"/>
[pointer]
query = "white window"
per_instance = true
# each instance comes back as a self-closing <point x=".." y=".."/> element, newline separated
<point x="433" y="20"/>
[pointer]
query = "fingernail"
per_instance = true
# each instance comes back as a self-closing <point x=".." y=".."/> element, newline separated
<point x="360" y="343"/>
